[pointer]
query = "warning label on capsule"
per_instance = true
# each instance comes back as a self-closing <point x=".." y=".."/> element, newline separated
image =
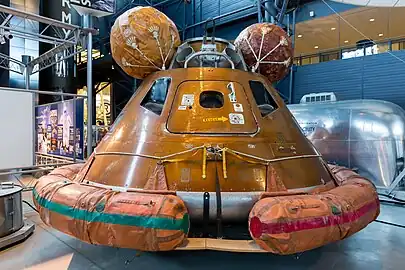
<point x="236" y="119"/>
<point x="215" y="119"/>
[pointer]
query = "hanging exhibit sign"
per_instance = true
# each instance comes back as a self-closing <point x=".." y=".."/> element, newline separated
<point x="96" y="8"/>
<point x="55" y="128"/>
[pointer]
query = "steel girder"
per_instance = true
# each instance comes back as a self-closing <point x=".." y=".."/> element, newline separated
<point x="65" y="37"/>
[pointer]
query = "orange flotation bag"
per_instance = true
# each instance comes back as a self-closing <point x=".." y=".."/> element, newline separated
<point x="292" y="224"/>
<point x="142" y="221"/>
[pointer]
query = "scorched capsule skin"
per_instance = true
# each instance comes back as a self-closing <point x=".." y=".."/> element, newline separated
<point x="203" y="139"/>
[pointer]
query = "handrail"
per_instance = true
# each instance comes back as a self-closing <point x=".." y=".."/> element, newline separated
<point x="346" y="48"/>
<point x="209" y="53"/>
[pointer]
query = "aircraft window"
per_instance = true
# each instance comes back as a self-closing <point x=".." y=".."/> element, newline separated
<point x="156" y="97"/>
<point x="211" y="99"/>
<point x="264" y="100"/>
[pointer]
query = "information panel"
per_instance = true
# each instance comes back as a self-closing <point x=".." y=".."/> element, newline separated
<point x="16" y="134"/>
<point x="55" y="128"/>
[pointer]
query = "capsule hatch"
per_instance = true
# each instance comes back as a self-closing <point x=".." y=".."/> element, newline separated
<point x="211" y="107"/>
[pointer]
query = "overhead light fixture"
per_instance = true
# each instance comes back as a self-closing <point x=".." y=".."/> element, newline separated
<point x="316" y="47"/>
<point x="381" y="34"/>
<point x="372" y="20"/>
<point x="346" y="41"/>
<point x="300" y="36"/>
<point x="333" y="29"/>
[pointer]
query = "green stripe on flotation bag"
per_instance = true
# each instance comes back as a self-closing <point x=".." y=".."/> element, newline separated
<point x="127" y="220"/>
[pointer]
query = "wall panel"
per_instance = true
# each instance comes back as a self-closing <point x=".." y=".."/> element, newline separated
<point x="16" y="136"/>
<point x="379" y="76"/>
<point x="202" y="10"/>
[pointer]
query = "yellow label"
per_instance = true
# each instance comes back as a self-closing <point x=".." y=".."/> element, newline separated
<point x="215" y="119"/>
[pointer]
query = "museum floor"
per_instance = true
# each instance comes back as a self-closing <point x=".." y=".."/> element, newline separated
<point x="379" y="246"/>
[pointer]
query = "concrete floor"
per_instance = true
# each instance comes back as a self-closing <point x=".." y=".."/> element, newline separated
<point x="379" y="246"/>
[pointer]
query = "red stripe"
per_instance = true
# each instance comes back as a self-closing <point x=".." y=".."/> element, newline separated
<point x="258" y="228"/>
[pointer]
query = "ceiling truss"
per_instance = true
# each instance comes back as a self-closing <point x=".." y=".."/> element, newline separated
<point x="66" y="38"/>
<point x="6" y="62"/>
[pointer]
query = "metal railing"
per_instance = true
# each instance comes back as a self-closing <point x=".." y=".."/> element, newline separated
<point x="350" y="52"/>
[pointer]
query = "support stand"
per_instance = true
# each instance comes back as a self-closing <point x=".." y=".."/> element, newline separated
<point x="88" y="23"/>
<point x="17" y="236"/>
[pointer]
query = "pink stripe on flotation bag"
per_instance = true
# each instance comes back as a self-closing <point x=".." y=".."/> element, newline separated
<point x="257" y="228"/>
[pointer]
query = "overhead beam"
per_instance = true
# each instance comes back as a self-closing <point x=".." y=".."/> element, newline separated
<point x="259" y="11"/>
<point x="48" y="59"/>
<point x="69" y="37"/>
<point x="221" y="16"/>
<point x="34" y="36"/>
<point x="11" y="64"/>
<point x="280" y="16"/>
<point x="165" y="2"/>
<point x="42" y="19"/>
<point x="273" y="13"/>
<point x="6" y="20"/>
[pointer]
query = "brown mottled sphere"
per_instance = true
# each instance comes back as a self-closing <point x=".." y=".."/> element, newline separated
<point x="263" y="39"/>
<point x="143" y="40"/>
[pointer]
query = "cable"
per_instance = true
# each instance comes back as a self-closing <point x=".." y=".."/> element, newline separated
<point x="391" y="224"/>
<point x="30" y="205"/>
<point x="358" y="31"/>
<point x="393" y="202"/>
<point x="391" y="197"/>
<point x="218" y="197"/>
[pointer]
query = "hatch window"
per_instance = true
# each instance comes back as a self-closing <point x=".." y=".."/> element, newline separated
<point x="156" y="97"/>
<point x="211" y="99"/>
<point x="264" y="100"/>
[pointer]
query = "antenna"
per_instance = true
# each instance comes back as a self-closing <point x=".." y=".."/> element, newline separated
<point x="213" y="32"/>
<point x="206" y="30"/>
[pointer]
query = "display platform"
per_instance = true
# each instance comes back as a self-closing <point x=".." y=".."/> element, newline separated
<point x="18" y="236"/>
<point x="243" y="246"/>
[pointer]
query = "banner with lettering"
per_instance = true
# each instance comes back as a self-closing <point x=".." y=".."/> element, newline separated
<point x="96" y="8"/>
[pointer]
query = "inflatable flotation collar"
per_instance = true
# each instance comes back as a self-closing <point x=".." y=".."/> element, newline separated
<point x="159" y="221"/>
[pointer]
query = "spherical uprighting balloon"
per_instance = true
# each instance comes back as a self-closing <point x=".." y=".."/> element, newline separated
<point x="143" y="40"/>
<point x="267" y="49"/>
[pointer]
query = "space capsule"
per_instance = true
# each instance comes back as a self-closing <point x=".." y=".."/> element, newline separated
<point x="204" y="140"/>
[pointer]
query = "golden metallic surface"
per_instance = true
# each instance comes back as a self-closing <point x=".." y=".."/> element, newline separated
<point x="198" y="120"/>
<point x="142" y="134"/>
